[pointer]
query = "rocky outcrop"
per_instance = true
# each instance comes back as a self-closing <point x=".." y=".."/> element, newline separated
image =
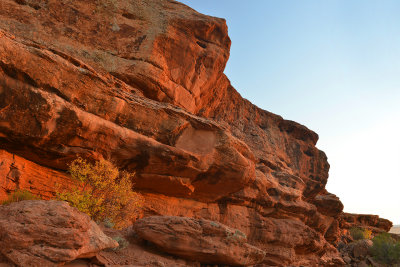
<point x="365" y="221"/>
<point x="200" y="240"/>
<point x="357" y="253"/>
<point x="173" y="152"/>
<point x="136" y="41"/>
<point x="142" y="83"/>
<point x="166" y="146"/>
<point x="48" y="233"/>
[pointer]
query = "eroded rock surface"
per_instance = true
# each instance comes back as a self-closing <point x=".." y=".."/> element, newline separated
<point x="136" y="41"/>
<point x="201" y="240"/>
<point x="142" y="83"/>
<point x="48" y="233"/>
<point x="17" y="173"/>
<point x="357" y="253"/>
<point x="364" y="221"/>
<point x="52" y="120"/>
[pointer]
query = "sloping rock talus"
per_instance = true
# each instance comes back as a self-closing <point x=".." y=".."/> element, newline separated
<point x="48" y="233"/>
<point x="142" y="83"/>
<point x="201" y="240"/>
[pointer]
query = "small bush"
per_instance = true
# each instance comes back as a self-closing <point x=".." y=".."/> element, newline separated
<point x="122" y="242"/>
<point x="359" y="233"/>
<point x="108" y="223"/>
<point x="102" y="192"/>
<point x="385" y="249"/>
<point x="237" y="235"/>
<point x="20" y="195"/>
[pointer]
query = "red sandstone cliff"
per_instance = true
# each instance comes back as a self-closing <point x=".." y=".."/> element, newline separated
<point x="142" y="83"/>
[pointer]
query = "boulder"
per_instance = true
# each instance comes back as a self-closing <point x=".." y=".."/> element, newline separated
<point x="199" y="240"/>
<point x="361" y="248"/>
<point x="357" y="253"/>
<point x="363" y="264"/>
<point x="48" y="233"/>
<point x="347" y="259"/>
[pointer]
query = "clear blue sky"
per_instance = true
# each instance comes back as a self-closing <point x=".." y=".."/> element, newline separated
<point x="333" y="66"/>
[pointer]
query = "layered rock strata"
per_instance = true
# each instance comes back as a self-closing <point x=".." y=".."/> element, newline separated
<point x="17" y="173"/>
<point x="366" y="221"/>
<point x="200" y="240"/>
<point x="142" y="83"/>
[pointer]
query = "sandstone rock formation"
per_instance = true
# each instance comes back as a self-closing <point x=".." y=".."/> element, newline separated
<point x="174" y="149"/>
<point x="371" y="222"/>
<point x="48" y="233"/>
<point x="19" y="173"/>
<point x="201" y="240"/>
<point x="142" y="83"/>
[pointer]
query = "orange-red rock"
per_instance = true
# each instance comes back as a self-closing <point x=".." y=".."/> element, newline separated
<point x="372" y="222"/>
<point x="48" y="233"/>
<point x="57" y="120"/>
<point x="137" y="41"/>
<point x="200" y="240"/>
<point x="142" y="83"/>
<point x="17" y="173"/>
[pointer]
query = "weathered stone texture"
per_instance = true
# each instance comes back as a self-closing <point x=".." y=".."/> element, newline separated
<point x="142" y="83"/>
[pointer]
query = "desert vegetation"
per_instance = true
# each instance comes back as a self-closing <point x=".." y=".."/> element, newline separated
<point x="386" y="249"/>
<point x="103" y="192"/>
<point x="383" y="247"/>
<point x="19" y="195"/>
<point x="360" y="233"/>
<point x="122" y="243"/>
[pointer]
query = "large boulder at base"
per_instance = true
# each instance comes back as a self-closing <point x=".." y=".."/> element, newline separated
<point x="357" y="253"/>
<point x="199" y="240"/>
<point x="48" y="233"/>
<point x="361" y="248"/>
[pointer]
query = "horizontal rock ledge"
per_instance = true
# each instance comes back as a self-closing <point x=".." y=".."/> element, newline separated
<point x="199" y="240"/>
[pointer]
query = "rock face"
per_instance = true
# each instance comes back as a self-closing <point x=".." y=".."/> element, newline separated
<point x="142" y="83"/>
<point x="200" y="240"/>
<point x="19" y="173"/>
<point x="48" y="233"/>
<point x="173" y="148"/>
<point x="372" y="222"/>
<point x="136" y="41"/>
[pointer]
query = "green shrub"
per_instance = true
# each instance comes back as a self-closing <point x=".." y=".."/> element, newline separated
<point x="122" y="242"/>
<point x="237" y="235"/>
<point x="20" y="195"/>
<point x="108" y="223"/>
<point x="385" y="249"/>
<point x="359" y="233"/>
<point x="102" y="192"/>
